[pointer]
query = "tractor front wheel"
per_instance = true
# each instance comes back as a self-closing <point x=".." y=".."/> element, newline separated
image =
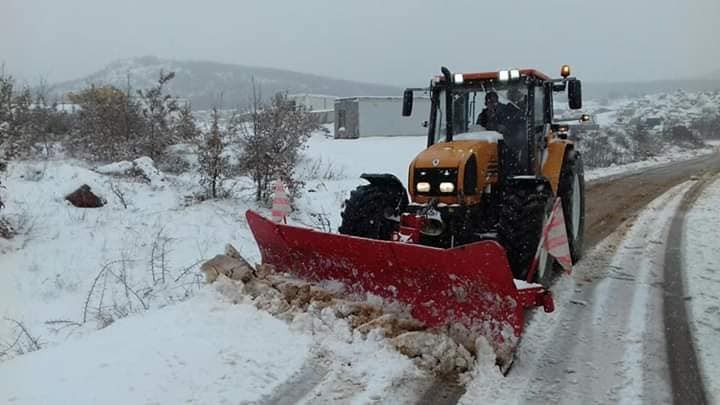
<point x="571" y="190"/>
<point x="367" y="211"/>
<point x="520" y="226"/>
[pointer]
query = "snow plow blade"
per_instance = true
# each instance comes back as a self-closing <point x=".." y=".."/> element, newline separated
<point x="471" y="285"/>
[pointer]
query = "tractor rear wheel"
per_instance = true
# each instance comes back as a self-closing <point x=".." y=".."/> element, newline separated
<point x="571" y="190"/>
<point x="367" y="210"/>
<point x="520" y="226"/>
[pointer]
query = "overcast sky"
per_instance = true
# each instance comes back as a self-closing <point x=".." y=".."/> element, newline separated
<point x="401" y="42"/>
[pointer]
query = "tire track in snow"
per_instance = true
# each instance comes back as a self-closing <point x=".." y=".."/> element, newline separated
<point x="685" y="376"/>
<point x="608" y="343"/>
<point x="302" y="383"/>
<point x="442" y="391"/>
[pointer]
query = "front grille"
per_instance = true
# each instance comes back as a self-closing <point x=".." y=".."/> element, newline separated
<point x="435" y="176"/>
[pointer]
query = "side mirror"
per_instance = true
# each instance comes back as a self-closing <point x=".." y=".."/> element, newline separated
<point x="574" y="94"/>
<point x="407" y="103"/>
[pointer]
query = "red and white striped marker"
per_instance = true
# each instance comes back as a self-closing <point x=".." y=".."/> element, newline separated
<point x="556" y="240"/>
<point x="280" y="203"/>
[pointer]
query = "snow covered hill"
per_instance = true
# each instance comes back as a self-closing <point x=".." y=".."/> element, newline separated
<point x="203" y="82"/>
<point x="632" y="129"/>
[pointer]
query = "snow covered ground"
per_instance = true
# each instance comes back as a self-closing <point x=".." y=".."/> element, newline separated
<point x="604" y="342"/>
<point x="203" y="350"/>
<point x="166" y="337"/>
<point x="702" y="261"/>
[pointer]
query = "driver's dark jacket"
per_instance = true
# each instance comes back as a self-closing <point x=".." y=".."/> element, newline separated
<point x="504" y="117"/>
<point x="510" y="122"/>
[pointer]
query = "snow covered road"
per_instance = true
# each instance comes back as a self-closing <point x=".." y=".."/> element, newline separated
<point x="607" y="341"/>
<point x="702" y="282"/>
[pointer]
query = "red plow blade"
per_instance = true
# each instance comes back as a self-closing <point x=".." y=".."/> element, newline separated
<point x="471" y="285"/>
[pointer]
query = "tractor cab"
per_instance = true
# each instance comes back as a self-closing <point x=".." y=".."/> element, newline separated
<point x="511" y="106"/>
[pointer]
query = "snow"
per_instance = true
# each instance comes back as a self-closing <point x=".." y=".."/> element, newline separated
<point x="604" y="342"/>
<point x="523" y="285"/>
<point x="702" y="261"/>
<point x="202" y="350"/>
<point x="190" y="343"/>
<point x="487" y="136"/>
<point x="47" y="274"/>
<point x="48" y="269"/>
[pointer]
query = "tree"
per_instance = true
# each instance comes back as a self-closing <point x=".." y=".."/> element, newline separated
<point x="14" y="117"/>
<point x="158" y="110"/>
<point x="185" y="129"/>
<point x="214" y="165"/>
<point x="109" y="124"/>
<point x="272" y="142"/>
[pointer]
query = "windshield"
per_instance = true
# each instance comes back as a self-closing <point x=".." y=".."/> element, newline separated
<point x="500" y="108"/>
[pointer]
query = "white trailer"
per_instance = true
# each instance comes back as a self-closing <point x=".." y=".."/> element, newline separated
<point x="379" y="116"/>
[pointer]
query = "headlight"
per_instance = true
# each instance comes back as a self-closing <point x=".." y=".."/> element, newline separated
<point x="423" y="187"/>
<point x="447" y="187"/>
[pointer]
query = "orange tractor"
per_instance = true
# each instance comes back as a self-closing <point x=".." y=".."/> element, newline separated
<point x="463" y="244"/>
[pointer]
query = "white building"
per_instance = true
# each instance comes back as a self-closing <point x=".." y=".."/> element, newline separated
<point x="314" y="102"/>
<point x="379" y="116"/>
<point x="318" y="104"/>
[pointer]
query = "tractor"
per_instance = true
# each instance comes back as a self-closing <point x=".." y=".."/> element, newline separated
<point x="475" y="182"/>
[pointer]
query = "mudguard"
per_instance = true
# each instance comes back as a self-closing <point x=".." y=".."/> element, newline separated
<point x="471" y="285"/>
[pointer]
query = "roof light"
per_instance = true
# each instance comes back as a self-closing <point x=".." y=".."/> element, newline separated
<point x="565" y="71"/>
<point x="458" y="78"/>
<point x="514" y="74"/>
<point x="504" y="75"/>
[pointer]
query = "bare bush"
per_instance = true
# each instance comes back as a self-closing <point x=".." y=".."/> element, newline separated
<point x="185" y="130"/>
<point x="113" y="124"/>
<point x="15" y="118"/>
<point x="321" y="221"/>
<point x="24" y="341"/>
<point x="682" y="136"/>
<point x="109" y="125"/>
<point x="158" y="109"/>
<point x="7" y="231"/>
<point x="708" y="125"/>
<point x="272" y="141"/>
<point x="119" y="193"/>
<point x="214" y="163"/>
<point x="599" y="151"/>
<point x="158" y="256"/>
<point x="96" y="303"/>
<point x="173" y="164"/>
<point x="319" y="169"/>
<point x="643" y="144"/>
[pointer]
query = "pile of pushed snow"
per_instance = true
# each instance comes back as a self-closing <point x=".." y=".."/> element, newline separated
<point x="353" y="316"/>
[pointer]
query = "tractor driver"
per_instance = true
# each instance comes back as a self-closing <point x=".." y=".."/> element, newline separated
<point x="497" y="116"/>
<point x="508" y="119"/>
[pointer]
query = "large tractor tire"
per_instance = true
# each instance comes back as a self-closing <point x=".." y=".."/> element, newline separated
<point x="571" y="191"/>
<point x="520" y="227"/>
<point x="367" y="210"/>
